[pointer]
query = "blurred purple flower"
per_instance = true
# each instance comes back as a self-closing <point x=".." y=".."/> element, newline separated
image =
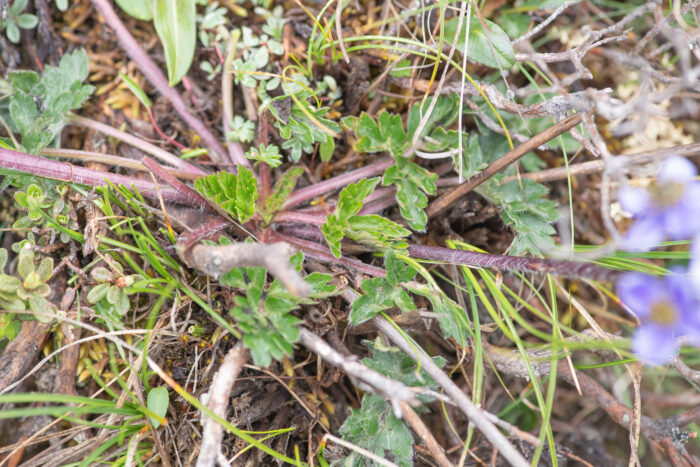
<point x="667" y="309"/>
<point x="669" y="208"/>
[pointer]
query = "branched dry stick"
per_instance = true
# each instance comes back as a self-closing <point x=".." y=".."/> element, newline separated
<point x="365" y="377"/>
<point x="465" y="404"/>
<point x="446" y="200"/>
<point x="217" y="260"/>
<point x="666" y="432"/>
<point x="219" y="394"/>
<point x="424" y="433"/>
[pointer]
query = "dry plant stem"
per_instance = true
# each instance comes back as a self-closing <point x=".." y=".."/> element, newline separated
<point x="20" y="352"/>
<point x="219" y="395"/>
<point x="65" y="379"/>
<point x="113" y="160"/>
<point x="312" y="191"/>
<point x="136" y="142"/>
<point x="217" y="260"/>
<point x="83" y="176"/>
<point x="364" y="377"/>
<point x="465" y="404"/>
<point x="446" y="200"/>
<point x="153" y="73"/>
<point x="585" y="168"/>
<point x="658" y="430"/>
<point x="425" y="435"/>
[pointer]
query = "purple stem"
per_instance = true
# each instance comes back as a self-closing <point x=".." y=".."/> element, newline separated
<point x="317" y="189"/>
<point x="473" y="259"/>
<point x="323" y="253"/>
<point x="194" y="198"/>
<point x="76" y="174"/>
<point x="514" y="263"/>
<point x="296" y="217"/>
<point x="153" y="73"/>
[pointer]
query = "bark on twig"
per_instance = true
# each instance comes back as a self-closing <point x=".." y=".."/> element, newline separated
<point x="219" y="394"/>
<point x="445" y="201"/>
<point x="424" y="434"/>
<point x="217" y="260"/>
<point x="465" y="404"/>
<point x="365" y="377"/>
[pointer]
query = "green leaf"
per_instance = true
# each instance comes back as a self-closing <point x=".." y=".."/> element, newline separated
<point x="352" y="196"/>
<point x="269" y="154"/>
<point x="283" y="187"/>
<point x="27" y="21"/>
<point x="397" y="271"/>
<point x="375" y="428"/>
<point x="379" y="295"/>
<point x="137" y="8"/>
<point x="444" y="113"/>
<point x="327" y="148"/>
<point x="41" y="305"/>
<point x="412" y="184"/>
<point x="377" y="231"/>
<point x="23" y="110"/>
<point x="25" y="263"/>
<point x="450" y="315"/>
<point x="386" y="134"/>
<point x="242" y="130"/>
<point x="136" y="90"/>
<point x="157" y="402"/>
<point x="3" y="258"/>
<point x="479" y="48"/>
<point x="175" y="25"/>
<point x="234" y="194"/>
<point x="9" y="283"/>
<point x="246" y="194"/>
<point x="97" y="293"/>
<point x="527" y="211"/>
<point x="349" y="203"/>
<point x="23" y="80"/>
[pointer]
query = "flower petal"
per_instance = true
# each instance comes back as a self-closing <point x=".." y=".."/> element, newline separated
<point x="639" y="291"/>
<point x="646" y="233"/>
<point x="633" y="200"/>
<point x="677" y="169"/>
<point x="654" y="345"/>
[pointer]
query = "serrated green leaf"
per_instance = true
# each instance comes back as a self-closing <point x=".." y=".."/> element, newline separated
<point x="137" y="8"/>
<point x="377" y="231"/>
<point x="283" y="187"/>
<point x="375" y="428"/>
<point x="352" y="196"/>
<point x="386" y="134"/>
<point x="397" y="271"/>
<point x="175" y="25"/>
<point x="412" y="184"/>
<point x="246" y="194"/>
<point x="23" y="80"/>
<point x="157" y="402"/>
<point x="479" y="48"/>
<point x="379" y="295"/>
<point x="450" y="315"/>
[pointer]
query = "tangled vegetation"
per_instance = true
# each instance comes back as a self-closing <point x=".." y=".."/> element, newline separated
<point x="263" y="232"/>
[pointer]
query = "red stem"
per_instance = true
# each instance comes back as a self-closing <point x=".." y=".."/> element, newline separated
<point x="160" y="132"/>
<point x="153" y="73"/>
<point x="76" y="174"/>
<point x="312" y="191"/>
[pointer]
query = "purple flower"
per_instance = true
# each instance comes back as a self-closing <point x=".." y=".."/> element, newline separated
<point x="669" y="208"/>
<point x="668" y="310"/>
